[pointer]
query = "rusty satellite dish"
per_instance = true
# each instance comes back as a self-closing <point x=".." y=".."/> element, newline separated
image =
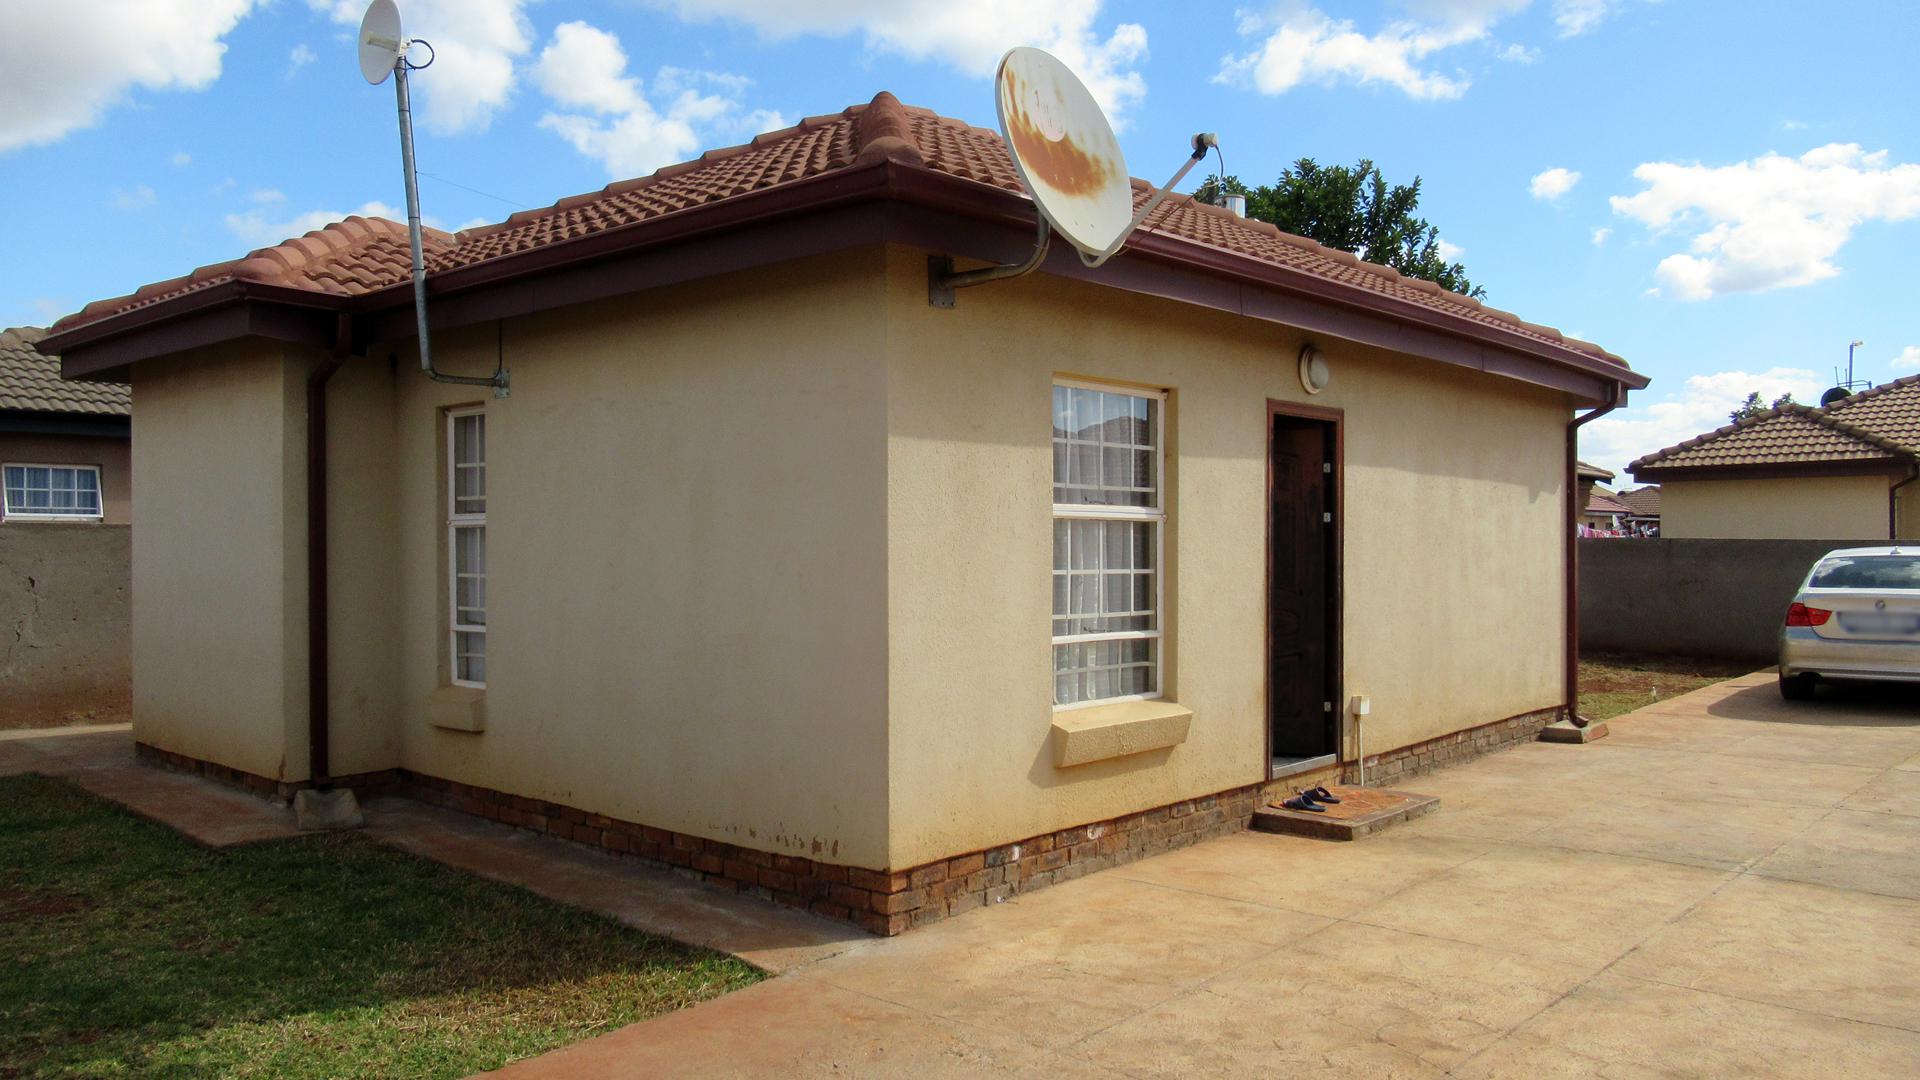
<point x="1064" y="150"/>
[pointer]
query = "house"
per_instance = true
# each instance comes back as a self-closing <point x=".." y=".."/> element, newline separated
<point x="1604" y="511"/>
<point x="1643" y="506"/>
<point x="1842" y="472"/>
<point x="1589" y="477"/>
<point x="783" y="564"/>
<point x="64" y="446"/>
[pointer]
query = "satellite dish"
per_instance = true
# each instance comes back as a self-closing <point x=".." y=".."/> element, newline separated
<point x="380" y="41"/>
<point x="1064" y="150"/>
<point x="1836" y="394"/>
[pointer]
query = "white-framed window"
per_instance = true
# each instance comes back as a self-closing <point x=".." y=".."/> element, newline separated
<point x="467" y="545"/>
<point x="1109" y="521"/>
<point x="53" y="492"/>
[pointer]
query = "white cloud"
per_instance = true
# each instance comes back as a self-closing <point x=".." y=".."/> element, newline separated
<point x="182" y="159"/>
<point x="610" y="116"/>
<point x="254" y="227"/>
<point x="1516" y="53"/>
<point x="969" y="37"/>
<point x="266" y="196"/>
<point x="66" y="63"/>
<point x="1793" y="125"/>
<point x="1576" y="17"/>
<point x="138" y="197"/>
<point x="1701" y="405"/>
<point x="300" y="57"/>
<point x="1908" y="360"/>
<point x="1600" y="234"/>
<point x="1553" y="183"/>
<point x="1303" y="44"/>
<point x="1449" y="252"/>
<point x="475" y="46"/>
<point x="1770" y="222"/>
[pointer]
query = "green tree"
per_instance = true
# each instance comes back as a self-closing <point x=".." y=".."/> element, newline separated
<point x="1354" y="209"/>
<point x="1752" y="406"/>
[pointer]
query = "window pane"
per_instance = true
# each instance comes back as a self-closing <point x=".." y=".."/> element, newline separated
<point x="470" y="657"/>
<point x="1104" y="448"/>
<point x="1103" y="579"/>
<point x="470" y="464"/>
<point x="1103" y="669"/>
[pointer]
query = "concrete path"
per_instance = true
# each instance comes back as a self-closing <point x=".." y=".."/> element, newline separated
<point x="1726" y="886"/>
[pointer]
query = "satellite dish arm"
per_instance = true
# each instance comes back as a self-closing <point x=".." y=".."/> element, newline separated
<point x="498" y="380"/>
<point x="1201" y="143"/>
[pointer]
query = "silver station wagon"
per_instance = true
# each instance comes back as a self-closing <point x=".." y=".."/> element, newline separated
<point x="1857" y="616"/>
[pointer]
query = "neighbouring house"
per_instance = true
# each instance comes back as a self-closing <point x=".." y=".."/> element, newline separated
<point x="1842" y="472"/>
<point x="1604" y="511"/>
<point x="1590" y="476"/>
<point x="65" y="502"/>
<point x="785" y="565"/>
<point x="1643" y="508"/>
<point x="64" y="446"/>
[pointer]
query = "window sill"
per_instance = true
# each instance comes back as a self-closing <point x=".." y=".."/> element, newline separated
<point x="457" y="708"/>
<point x="1101" y="732"/>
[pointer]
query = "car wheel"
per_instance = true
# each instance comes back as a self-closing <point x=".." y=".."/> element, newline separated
<point x="1796" y="687"/>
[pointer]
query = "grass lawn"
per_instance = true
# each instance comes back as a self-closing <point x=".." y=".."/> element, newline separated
<point x="128" y="951"/>
<point x="1615" y="683"/>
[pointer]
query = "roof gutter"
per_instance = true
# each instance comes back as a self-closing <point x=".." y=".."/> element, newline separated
<point x="1571" y="658"/>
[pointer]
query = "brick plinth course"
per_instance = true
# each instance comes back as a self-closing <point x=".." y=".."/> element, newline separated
<point x="885" y="902"/>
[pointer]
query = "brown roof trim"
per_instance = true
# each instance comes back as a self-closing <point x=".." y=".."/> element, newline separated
<point x="1153" y="264"/>
<point x="1887" y="466"/>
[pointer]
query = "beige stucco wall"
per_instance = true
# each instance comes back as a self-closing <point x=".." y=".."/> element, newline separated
<point x="219" y="602"/>
<point x="1811" y="508"/>
<point x="110" y="455"/>
<point x="686" y="545"/>
<point x="1447" y="626"/>
<point x="779" y="574"/>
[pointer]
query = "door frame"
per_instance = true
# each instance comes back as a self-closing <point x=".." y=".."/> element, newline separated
<point x="1335" y="419"/>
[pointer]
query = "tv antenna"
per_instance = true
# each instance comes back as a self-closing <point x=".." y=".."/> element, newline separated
<point x="1071" y="165"/>
<point x="383" y="52"/>
<point x="1845" y="388"/>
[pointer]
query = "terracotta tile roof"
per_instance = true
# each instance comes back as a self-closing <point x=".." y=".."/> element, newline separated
<point x="1891" y="410"/>
<point x="1592" y="472"/>
<point x="362" y="255"/>
<point x="1644" y="501"/>
<point x="1789" y="435"/>
<point x="30" y="380"/>
<point x="1602" y="502"/>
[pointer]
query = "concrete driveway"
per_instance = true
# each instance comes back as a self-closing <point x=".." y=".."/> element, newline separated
<point x="1725" y="886"/>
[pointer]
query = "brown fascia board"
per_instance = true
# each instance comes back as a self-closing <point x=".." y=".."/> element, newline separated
<point x="104" y="350"/>
<point x="850" y="207"/>
<point x="1783" y="470"/>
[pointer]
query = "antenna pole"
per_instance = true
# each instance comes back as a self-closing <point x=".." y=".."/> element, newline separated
<point x="498" y="380"/>
<point x="1200" y="144"/>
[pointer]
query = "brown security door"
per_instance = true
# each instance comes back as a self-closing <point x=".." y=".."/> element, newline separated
<point x="1301" y="571"/>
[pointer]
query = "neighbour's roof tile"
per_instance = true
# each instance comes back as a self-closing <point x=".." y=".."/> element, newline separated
<point x="1592" y="472"/>
<point x="1644" y="501"/>
<point x="1891" y="410"/>
<point x="1790" y="435"/>
<point x="1601" y="502"/>
<point x="30" y="380"/>
<point x="361" y="255"/>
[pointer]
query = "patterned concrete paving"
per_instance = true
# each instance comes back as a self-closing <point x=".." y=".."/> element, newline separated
<point x="1727" y="885"/>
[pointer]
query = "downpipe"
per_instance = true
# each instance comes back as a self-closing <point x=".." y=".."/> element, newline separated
<point x="1571" y="681"/>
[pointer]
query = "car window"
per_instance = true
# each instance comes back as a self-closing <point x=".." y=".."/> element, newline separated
<point x="1868" y="572"/>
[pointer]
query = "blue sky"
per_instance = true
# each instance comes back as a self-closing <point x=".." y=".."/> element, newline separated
<point x="1746" y="199"/>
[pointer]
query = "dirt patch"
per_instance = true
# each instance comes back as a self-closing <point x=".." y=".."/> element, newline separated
<point x="19" y="905"/>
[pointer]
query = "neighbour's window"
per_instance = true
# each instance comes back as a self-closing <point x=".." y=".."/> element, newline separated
<point x="467" y="544"/>
<point x="53" y="492"/>
<point x="1868" y="572"/>
<point x="1108" y="518"/>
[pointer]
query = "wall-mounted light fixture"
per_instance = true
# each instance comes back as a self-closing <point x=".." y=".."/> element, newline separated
<point x="1313" y="370"/>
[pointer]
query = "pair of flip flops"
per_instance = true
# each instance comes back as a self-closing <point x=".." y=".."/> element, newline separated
<point x="1309" y="799"/>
